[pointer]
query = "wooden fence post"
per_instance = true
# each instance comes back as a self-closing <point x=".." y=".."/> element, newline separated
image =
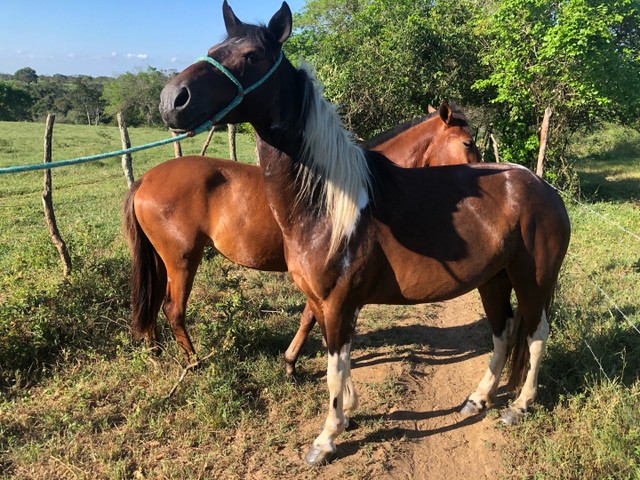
<point x="126" y="143"/>
<point x="494" y="142"/>
<point x="544" y="132"/>
<point x="177" y="148"/>
<point x="232" y="142"/>
<point x="205" y="145"/>
<point x="47" y="200"/>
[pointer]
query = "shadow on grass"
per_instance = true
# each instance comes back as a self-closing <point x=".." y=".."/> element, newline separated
<point x="598" y="186"/>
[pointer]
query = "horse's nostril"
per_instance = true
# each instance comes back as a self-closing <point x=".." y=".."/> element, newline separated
<point x="182" y="98"/>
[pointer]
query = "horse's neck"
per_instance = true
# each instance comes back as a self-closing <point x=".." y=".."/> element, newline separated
<point x="407" y="149"/>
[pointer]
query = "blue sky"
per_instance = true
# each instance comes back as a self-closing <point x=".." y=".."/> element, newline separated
<point x="99" y="37"/>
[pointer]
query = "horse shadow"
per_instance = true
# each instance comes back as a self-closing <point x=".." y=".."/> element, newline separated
<point x="421" y="343"/>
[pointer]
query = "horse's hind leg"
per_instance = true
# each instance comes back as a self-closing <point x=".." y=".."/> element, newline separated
<point x="496" y="295"/>
<point x="307" y="321"/>
<point x="536" y="345"/>
<point x="180" y="276"/>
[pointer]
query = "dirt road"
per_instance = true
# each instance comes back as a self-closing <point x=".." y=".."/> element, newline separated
<point x="430" y="360"/>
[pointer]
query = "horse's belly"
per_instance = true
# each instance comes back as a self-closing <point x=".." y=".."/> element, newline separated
<point x="410" y="278"/>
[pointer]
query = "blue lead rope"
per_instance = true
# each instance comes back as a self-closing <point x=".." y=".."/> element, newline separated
<point x="73" y="161"/>
<point x="205" y="126"/>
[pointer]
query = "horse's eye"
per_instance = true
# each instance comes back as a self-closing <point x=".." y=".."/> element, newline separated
<point x="468" y="144"/>
<point x="253" y="58"/>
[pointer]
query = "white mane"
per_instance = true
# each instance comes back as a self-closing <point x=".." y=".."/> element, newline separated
<point x="335" y="163"/>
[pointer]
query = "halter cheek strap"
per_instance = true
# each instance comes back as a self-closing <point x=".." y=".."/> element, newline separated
<point x="241" y="90"/>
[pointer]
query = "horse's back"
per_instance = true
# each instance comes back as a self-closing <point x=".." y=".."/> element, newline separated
<point x="460" y="225"/>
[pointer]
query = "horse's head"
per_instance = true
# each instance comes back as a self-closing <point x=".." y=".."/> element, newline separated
<point x="453" y="143"/>
<point x="213" y="88"/>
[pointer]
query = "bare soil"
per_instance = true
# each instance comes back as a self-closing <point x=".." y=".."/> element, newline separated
<point x="427" y="362"/>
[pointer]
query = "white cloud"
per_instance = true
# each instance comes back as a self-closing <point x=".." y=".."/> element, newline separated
<point x="71" y="55"/>
<point x="114" y="54"/>
<point x="139" y="56"/>
<point x="174" y="59"/>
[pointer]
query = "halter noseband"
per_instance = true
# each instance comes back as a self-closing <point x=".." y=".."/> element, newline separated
<point x="241" y="90"/>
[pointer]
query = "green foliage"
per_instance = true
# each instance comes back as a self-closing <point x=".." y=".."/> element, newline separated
<point x="14" y="102"/>
<point x="563" y="55"/>
<point x="26" y="75"/>
<point x="136" y="96"/>
<point x="384" y="61"/>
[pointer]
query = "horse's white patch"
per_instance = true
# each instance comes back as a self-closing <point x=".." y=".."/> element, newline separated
<point x="489" y="383"/>
<point x="537" y="344"/>
<point x="339" y="383"/>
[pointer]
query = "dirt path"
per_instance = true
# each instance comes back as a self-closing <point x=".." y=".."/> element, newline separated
<point x="429" y="360"/>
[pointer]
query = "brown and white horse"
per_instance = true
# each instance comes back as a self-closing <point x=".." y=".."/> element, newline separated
<point x="357" y="229"/>
<point x="179" y="206"/>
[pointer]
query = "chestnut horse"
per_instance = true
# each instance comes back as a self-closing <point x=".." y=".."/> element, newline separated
<point x="178" y="207"/>
<point x="357" y="229"/>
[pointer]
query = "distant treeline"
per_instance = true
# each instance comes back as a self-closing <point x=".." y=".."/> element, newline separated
<point x="81" y="99"/>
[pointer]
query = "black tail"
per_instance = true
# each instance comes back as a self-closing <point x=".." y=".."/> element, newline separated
<point x="148" y="278"/>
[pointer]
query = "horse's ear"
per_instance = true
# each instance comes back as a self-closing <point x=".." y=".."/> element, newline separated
<point x="280" y="24"/>
<point x="230" y="19"/>
<point x="430" y="108"/>
<point x="445" y="112"/>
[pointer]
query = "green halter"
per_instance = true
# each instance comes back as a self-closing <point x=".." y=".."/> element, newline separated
<point x="241" y="90"/>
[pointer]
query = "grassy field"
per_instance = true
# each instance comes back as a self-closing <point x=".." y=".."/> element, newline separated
<point x="79" y="400"/>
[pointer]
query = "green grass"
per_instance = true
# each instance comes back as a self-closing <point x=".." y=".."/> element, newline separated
<point x="587" y="424"/>
<point x="79" y="400"/>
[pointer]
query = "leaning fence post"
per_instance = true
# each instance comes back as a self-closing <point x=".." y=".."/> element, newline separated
<point x="544" y="132"/>
<point x="126" y="144"/>
<point x="206" y="143"/>
<point x="47" y="200"/>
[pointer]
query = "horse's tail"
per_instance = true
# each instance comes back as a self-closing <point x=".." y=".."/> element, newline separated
<point x="148" y="282"/>
<point x="518" y="354"/>
<point x="519" y="347"/>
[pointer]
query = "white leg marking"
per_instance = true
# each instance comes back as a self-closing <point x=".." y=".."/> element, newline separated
<point x="338" y="371"/>
<point x="485" y="390"/>
<point x="536" y="350"/>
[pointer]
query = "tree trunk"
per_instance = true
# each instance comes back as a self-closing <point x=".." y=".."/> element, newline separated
<point x="47" y="201"/>
<point x="544" y="132"/>
<point x="126" y="143"/>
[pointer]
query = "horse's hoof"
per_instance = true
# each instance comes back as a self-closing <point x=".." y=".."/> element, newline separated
<point x="471" y="407"/>
<point x="511" y="416"/>
<point x="290" y="369"/>
<point x="316" y="457"/>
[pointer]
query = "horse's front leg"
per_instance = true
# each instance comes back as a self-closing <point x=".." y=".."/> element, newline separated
<point x="342" y="394"/>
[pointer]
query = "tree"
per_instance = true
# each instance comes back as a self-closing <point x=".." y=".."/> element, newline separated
<point x="15" y="102"/>
<point x="384" y="61"/>
<point x="26" y="75"/>
<point x="86" y="97"/>
<point x="579" y="57"/>
<point x="136" y="96"/>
